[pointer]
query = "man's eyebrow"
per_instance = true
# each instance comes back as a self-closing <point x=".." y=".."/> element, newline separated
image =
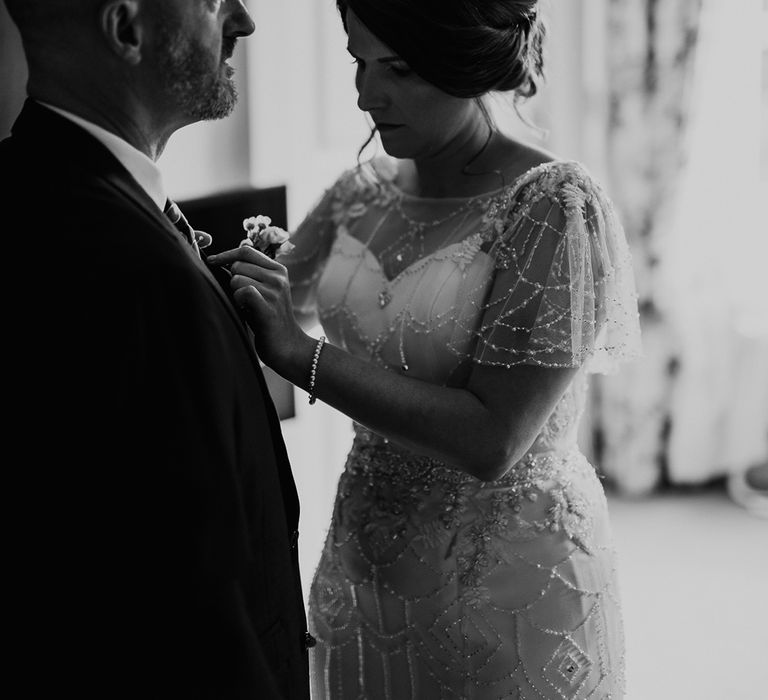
<point x="383" y="59"/>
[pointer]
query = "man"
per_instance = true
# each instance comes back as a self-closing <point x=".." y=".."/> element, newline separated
<point x="153" y="498"/>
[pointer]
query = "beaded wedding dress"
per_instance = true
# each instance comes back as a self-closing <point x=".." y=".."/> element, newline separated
<point x="433" y="584"/>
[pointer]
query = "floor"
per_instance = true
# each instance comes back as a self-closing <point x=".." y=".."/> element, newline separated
<point x="694" y="581"/>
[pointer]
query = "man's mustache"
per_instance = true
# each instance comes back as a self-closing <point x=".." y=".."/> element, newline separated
<point x="228" y="48"/>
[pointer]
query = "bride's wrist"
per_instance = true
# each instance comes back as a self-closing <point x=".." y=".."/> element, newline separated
<point x="294" y="362"/>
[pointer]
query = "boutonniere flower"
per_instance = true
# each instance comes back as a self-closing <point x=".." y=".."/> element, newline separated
<point x="270" y="240"/>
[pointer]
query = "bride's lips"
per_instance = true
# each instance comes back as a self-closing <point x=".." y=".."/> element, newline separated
<point x="381" y="126"/>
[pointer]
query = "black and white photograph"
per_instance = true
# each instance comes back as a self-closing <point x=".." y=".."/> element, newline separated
<point x="386" y="349"/>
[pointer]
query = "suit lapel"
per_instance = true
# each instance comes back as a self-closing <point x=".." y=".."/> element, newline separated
<point x="129" y="188"/>
<point x="288" y="485"/>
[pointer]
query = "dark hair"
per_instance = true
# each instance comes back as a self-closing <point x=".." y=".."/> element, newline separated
<point x="467" y="48"/>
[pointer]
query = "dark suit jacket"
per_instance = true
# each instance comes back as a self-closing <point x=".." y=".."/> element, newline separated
<point x="156" y="510"/>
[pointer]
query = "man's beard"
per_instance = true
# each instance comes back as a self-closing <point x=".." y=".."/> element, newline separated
<point x="202" y="93"/>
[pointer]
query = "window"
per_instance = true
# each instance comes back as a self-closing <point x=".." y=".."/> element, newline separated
<point x="764" y="116"/>
<point x="719" y="249"/>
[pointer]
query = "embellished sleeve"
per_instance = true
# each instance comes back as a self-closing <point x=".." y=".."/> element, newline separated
<point x="563" y="293"/>
<point x="312" y="242"/>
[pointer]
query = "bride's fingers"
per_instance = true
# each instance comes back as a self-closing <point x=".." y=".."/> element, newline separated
<point x="259" y="305"/>
<point x="254" y="272"/>
<point x="261" y="279"/>
<point x="245" y="254"/>
<point x="249" y="297"/>
<point x="248" y="294"/>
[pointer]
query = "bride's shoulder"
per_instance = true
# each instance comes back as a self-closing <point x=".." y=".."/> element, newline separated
<point x="568" y="183"/>
<point x="365" y="178"/>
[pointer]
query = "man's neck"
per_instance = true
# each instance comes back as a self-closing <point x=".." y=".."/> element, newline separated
<point x="134" y="126"/>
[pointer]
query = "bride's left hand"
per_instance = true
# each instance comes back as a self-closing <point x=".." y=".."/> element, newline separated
<point x="261" y="289"/>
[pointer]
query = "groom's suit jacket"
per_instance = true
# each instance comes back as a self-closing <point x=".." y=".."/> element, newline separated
<point x="156" y="511"/>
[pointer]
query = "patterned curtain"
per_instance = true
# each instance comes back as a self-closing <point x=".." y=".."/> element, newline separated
<point x="651" y="47"/>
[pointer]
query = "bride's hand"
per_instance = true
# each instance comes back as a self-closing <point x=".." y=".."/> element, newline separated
<point x="261" y="289"/>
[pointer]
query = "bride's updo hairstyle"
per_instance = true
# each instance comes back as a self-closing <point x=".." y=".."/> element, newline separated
<point x="467" y="48"/>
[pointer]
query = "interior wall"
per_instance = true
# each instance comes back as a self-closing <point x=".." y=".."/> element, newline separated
<point x="305" y="130"/>
<point x="212" y="157"/>
<point x="305" y="125"/>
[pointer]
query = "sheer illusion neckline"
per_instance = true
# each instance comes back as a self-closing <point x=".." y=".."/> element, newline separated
<point x="390" y="182"/>
<point x="444" y="252"/>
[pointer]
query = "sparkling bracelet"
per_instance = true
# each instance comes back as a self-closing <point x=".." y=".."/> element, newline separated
<point x="313" y="372"/>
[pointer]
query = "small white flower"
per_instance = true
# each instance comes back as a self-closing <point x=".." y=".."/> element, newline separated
<point x="269" y="239"/>
<point x="255" y="223"/>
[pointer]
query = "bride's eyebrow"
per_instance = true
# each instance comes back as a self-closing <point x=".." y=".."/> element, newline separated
<point x="383" y="59"/>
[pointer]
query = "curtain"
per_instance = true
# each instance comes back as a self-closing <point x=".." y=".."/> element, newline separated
<point x="717" y="271"/>
<point x="650" y="52"/>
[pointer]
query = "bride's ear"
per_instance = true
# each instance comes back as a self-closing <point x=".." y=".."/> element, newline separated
<point x="122" y="29"/>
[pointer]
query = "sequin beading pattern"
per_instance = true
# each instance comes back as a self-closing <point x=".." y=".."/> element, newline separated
<point x="394" y="478"/>
<point x="433" y="584"/>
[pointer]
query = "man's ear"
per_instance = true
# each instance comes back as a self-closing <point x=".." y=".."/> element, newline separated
<point x="121" y="29"/>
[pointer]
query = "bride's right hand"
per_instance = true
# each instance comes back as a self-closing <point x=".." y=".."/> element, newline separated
<point x="262" y="290"/>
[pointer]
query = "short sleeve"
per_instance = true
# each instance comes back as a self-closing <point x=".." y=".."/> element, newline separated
<point x="563" y="292"/>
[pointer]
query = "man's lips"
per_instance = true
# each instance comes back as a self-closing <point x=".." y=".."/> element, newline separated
<point x="383" y="126"/>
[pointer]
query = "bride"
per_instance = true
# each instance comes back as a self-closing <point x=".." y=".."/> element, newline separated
<point x="468" y="284"/>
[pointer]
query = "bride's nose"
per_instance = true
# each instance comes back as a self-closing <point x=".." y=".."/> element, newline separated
<point x="370" y="95"/>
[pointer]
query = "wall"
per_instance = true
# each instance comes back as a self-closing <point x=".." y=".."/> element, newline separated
<point x="305" y="129"/>
<point x="212" y="157"/>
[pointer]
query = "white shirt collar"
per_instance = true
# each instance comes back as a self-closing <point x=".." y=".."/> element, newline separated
<point x="143" y="169"/>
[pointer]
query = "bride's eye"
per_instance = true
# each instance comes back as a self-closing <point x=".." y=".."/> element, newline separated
<point x="400" y="69"/>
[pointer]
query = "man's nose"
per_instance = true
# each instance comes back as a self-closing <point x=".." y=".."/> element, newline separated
<point x="240" y="21"/>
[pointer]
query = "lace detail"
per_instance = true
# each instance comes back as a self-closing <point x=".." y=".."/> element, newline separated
<point x="398" y="480"/>
<point x="536" y="272"/>
<point x="562" y="252"/>
<point x="479" y="586"/>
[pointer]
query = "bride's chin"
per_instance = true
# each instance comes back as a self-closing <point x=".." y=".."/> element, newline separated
<point x="396" y="151"/>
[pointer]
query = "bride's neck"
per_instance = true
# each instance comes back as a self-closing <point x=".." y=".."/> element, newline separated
<point x="445" y="173"/>
<point x="494" y="163"/>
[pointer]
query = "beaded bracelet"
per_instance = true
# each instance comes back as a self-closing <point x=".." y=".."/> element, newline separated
<point x="313" y="372"/>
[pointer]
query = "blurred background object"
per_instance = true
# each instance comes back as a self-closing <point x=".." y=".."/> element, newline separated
<point x="686" y="152"/>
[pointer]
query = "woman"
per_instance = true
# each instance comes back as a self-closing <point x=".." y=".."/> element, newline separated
<point x="467" y="283"/>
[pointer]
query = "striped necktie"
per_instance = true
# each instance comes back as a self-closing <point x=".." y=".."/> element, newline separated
<point x="197" y="239"/>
